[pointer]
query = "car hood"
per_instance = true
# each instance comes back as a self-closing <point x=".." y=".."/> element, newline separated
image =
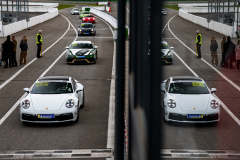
<point x="81" y="52"/>
<point x="164" y="51"/>
<point x="190" y="101"/>
<point x="53" y="102"/>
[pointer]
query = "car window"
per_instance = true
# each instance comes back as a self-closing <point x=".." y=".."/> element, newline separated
<point x="73" y="84"/>
<point x="89" y="16"/>
<point x="45" y="87"/>
<point x="85" y="12"/>
<point x="188" y="88"/>
<point x="81" y="45"/>
<point x="165" y="46"/>
<point x="86" y="25"/>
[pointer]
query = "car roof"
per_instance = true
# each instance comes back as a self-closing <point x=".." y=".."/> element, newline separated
<point x="182" y="78"/>
<point x="82" y="42"/>
<point x="62" y="78"/>
<point x="164" y="42"/>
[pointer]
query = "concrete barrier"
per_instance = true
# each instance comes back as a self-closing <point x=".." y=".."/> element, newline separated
<point x="21" y="25"/>
<point x="110" y="19"/>
<point x="102" y="3"/>
<point x="216" y="26"/>
<point x="45" y="5"/>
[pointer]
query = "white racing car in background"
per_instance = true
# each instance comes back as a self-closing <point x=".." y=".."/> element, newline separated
<point x="188" y="99"/>
<point x="52" y="99"/>
<point x="75" y="11"/>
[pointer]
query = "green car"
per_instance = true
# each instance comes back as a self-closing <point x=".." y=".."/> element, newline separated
<point x="84" y="13"/>
<point x="166" y="53"/>
<point x="82" y="52"/>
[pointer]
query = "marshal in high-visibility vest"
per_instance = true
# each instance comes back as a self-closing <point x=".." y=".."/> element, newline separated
<point x="37" y="41"/>
<point x="200" y="39"/>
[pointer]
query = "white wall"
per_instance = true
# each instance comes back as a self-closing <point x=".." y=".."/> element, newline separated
<point x="216" y="26"/>
<point x="102" y="3"/>
<point x="20" y="25"/>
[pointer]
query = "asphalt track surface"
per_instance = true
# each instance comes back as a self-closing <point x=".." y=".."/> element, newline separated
<point x="91" y="130"/>
<point x="224" y="135"/>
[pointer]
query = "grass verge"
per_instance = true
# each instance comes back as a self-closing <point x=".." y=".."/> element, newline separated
<point x="63" y="6"/>
<point x="172" y="6"/>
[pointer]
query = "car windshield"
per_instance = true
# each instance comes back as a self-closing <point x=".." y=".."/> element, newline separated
<point x="86" y="25"/>
<point x="81" y="45"/>
<point x="52" y="88"/>
<point x="75" y="9"/>
<point x="188" y="88"/>
<point x="165" y="46"/>
<point x="85" y="12"/>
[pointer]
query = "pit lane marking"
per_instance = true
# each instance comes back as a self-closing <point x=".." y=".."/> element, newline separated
<point x="23" y="68"/>
<point x="222" y="104"/>
<point x="25" y="94"/>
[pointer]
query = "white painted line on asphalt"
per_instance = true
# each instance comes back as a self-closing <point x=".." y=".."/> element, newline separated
<point x="25" y="94"/>
<point x="169" y="38"/>
<point x="23" y="68"/>
<point x="222" y="104"/>
<point x="222" y="75"/>
<point x="111" y="115"/>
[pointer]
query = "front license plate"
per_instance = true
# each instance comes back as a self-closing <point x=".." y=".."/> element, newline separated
<point x="46" y="116"/>
<point x="86" y="33"/>
<point x="80" y="56"/>
<point x="89" y="21"/>
<point x="195" y="116"/>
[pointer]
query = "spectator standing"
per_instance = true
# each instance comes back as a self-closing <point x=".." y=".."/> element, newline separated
<point x="230" y="47"/>
<point x="198" y="43"/>
<point x="237" y="50"/>
<point x="8" y="50"/>
<point x="14" y="60"/>
<point x="223" y="52"/>
<point x="213" y="48"/>
<point x="39" y="42"/>
<point x="23" y="54"/>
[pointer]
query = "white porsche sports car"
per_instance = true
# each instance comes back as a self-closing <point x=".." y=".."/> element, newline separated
<point x="52" y="99"/>
<point x="75" y="11"/>
<point x="188" y="99"/>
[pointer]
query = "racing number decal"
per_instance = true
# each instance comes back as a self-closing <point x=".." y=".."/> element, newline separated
<point x="198" y="84"/>
<point x="42" y="84"/>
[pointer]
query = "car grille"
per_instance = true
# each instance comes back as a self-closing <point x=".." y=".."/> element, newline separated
<point x="179" y="117"/>
<point x="62" y="117"/>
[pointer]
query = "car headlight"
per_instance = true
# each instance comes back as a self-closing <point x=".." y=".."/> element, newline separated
<point x="214" y="104"/>
<point x="169" y="53"/>
<point x="70" y="103"/>
<point x="171" y="103"/>
<point x="26" y="104"/>
<point x="80" y="30"/>
<point x="92" y="29"/>
<point x="83" y="18"/>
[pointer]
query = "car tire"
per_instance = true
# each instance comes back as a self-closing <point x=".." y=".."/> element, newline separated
<point x="82" y="106"/>
<point x="77" y="116"/>
<point x="96" y="55"/>
<point x="164" y="120"/>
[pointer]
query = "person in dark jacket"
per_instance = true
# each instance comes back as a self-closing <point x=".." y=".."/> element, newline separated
<point x="8" y="50"/>
<point x="230" y="50"/>
<point x="223" y="52"/>
<point x="14" y="60"/>
<point x="213" y="49"/>
<point x="23" y="54"/>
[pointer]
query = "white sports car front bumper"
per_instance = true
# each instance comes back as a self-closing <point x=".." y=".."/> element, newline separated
<point x="181" y="116"/>
<point x="59" y="116"/>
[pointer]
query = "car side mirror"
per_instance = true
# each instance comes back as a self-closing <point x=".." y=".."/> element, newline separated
<point x="78" y="90"/>
<point x="171" y="48"/>
<point x="67" y="47"/>
<point x="26" y="90"/>
<point x="95" y="47"/>
<point x="213" y="90"/>
<point x="162" y="90"/>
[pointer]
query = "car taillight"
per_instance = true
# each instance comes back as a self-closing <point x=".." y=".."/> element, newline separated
<point x="93" y="18"/>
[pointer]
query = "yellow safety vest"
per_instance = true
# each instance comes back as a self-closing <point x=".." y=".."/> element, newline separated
<point x="200" y="39"/>
<point x="40" y="39"/>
